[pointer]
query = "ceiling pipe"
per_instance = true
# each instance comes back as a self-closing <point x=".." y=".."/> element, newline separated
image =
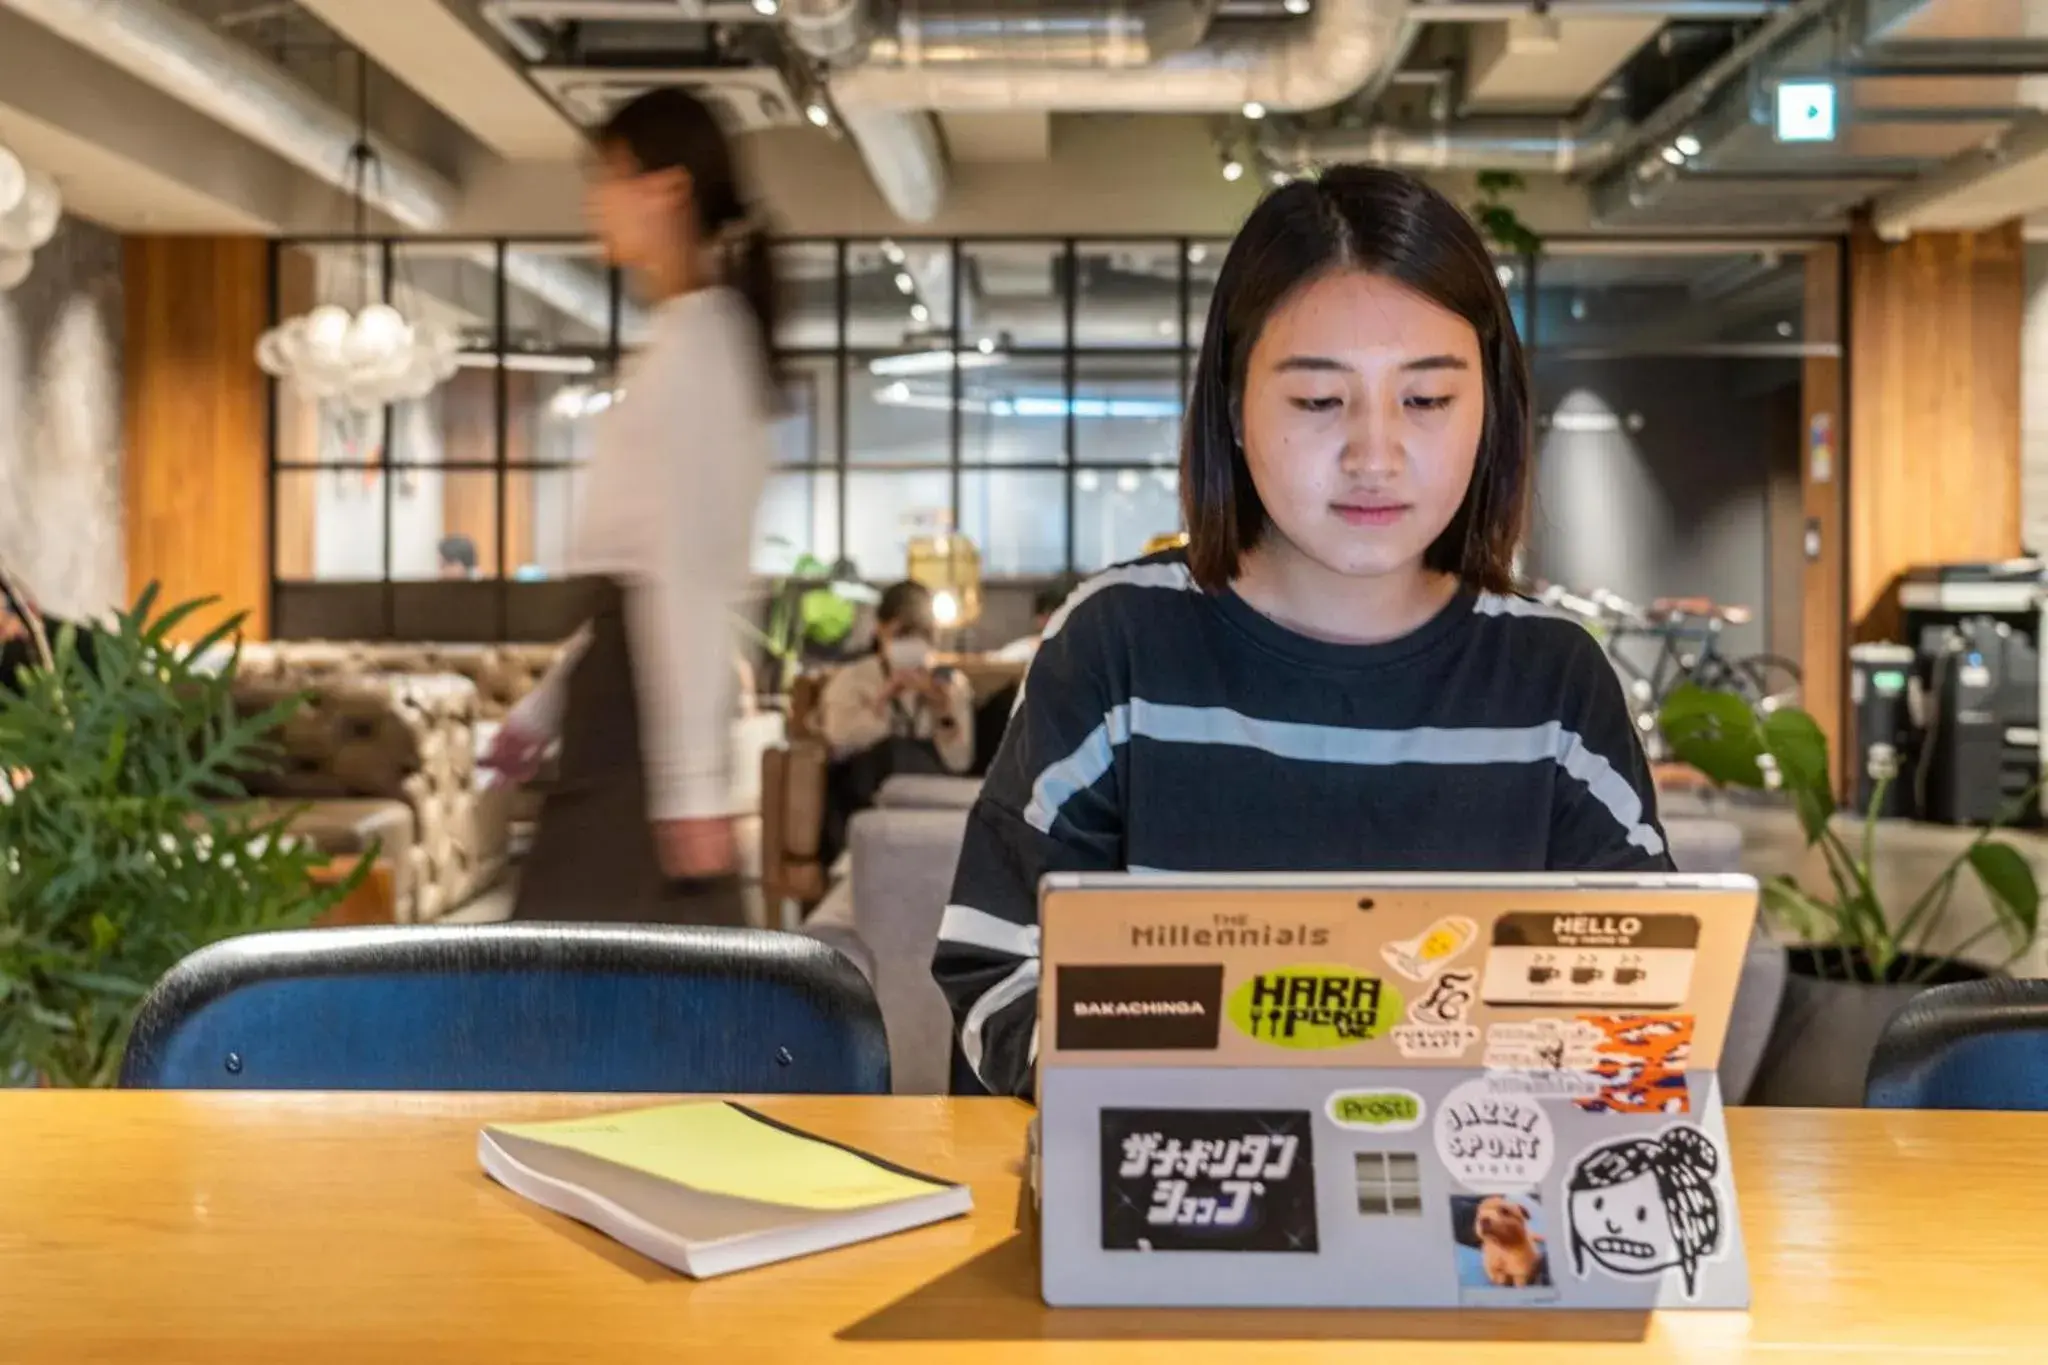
<point x="1502" y="144"/>
<point x="183" y="57"/>
<point x="1299" y="64"/>
<point x="903" y="155"/>
<point x="1088" y="34"/>
<point x="1500" y="11"/>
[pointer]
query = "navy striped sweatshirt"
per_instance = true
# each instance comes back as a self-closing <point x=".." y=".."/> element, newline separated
<point x="1165" y="728"/>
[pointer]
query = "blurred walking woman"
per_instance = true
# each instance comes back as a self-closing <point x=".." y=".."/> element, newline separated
<point x="639" y="826"/>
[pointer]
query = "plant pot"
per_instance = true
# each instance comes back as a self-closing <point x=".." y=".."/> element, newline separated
<point x="1827" y="1026"/>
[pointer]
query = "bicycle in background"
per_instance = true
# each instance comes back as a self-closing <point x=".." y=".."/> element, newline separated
<point x="1675" y="640"/>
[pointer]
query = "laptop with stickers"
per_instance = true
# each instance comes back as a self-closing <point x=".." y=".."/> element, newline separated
<point x="1413" y="1090"/>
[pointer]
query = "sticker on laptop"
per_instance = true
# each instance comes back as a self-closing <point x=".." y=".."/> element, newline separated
<point x="1376" y="1111"/>
<point x="1314" y="1006"/>
<point x="1501" y="1244"/>
<point x="1573" y="958"/>
<point x="1640" y="1063"/>
<point x="1208" y="1180"/>
<point x="1640" y="1207"/>
<point x="1436" y="1029"/>
<point x="1423" y="956"/>
<point x="1164" y="1007"/>
<point x="1490" y="1141"/>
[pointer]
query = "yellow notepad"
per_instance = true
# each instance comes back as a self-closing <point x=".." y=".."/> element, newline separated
<point x="711" y="1188"/>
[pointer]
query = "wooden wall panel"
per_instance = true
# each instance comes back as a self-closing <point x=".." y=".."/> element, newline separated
<point x="195" y="480"/>
<point x="1823" y="616"/>
<point x="1934" y="424"/>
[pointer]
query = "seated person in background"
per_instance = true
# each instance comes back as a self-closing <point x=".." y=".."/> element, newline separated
<point x="892" y="712"/>
<point x="1048" y="600"/>
<point x="1333" y="676"/>
<point x="992" y="716"/>
<point x="458" y="557"/>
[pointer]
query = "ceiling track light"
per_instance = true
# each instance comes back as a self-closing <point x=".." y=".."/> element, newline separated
<point x="1687" y="144"/>
<point x="1233" y="169"/>
<point x="819" y="115"/>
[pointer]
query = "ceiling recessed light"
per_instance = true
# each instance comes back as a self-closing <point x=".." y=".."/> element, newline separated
<point x="905" y="283"/>
<point x="1253" y="109"/>
<point x="1505" y="274"/>
<point x="1687" y="144"/>
<point x="1233" y="169"/>
<point x="987" y="345"/>
<point x="768" y="7"/>
<point x="920" y="313"/>
<point x="892" y="251"/>
<point x="817" y="113"/>
<point x="1296" y="6"/>
<point x="1672" y="156"/>
<point x="1197" y="254"/>
<point x="1784" y="329"/>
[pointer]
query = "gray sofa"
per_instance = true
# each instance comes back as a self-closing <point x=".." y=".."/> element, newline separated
<point x="885" y="917"/>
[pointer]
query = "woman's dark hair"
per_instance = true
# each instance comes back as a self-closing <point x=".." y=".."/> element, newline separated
<point x="908" y="607"/>
<point x="671" y="129"/>
<point x="1385" y="223"/>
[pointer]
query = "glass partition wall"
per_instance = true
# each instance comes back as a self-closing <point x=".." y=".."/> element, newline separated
<point x="1024" y="391"/>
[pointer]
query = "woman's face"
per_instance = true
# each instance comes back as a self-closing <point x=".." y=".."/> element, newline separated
<point x="637" y="214"/>
<point x="1363" y="405"/>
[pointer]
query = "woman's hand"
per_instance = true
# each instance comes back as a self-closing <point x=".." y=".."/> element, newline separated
<point x="696" y="848"/>
<point x="516" y="752"/>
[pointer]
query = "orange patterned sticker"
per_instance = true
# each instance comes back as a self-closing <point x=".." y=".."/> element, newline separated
<point x="1641" y="1063"/>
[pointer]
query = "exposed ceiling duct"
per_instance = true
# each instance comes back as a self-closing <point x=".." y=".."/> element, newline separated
<point x="904" y="157"/>
<point x="1557" y="146"/>
<point x="1286" y="65"/>
<point x="1103" y="35"/>
<point x="183" y="57"/>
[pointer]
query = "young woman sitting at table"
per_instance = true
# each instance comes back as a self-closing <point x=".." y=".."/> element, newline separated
<point x="1334" y="674"/>
<point x="892" y="712"/>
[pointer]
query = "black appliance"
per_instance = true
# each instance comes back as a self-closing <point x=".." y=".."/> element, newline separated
<point x="1976" y="633"/>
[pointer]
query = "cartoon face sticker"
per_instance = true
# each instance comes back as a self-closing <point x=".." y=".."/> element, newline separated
<point x="1643" y="1205"/>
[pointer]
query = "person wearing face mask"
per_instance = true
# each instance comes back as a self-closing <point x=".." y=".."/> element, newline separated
<point x="892" y="712"/>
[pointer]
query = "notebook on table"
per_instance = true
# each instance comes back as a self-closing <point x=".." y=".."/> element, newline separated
<point x="708" y="1188"/>
<point x="1409" y="1091"/>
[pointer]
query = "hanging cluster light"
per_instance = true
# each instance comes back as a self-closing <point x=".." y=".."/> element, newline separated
<point x="30" y="209"/>
<point x="364" y="359"/>
<point x="371" y="355"/>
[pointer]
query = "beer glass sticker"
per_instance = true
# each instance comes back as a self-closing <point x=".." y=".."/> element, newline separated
<point x="1573" y="958"/>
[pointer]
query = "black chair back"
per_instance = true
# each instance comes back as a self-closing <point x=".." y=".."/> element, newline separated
<point x="1974" y="1045"/>
<point x="515" y="1007"/>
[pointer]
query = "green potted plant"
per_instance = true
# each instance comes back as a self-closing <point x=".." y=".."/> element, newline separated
<point x="813" y="605"/>
<point x="1854" y="960"/>
<point x="126" y="839"/>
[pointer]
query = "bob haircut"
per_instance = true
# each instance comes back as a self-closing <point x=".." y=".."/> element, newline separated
<point x="1384" y="223"/>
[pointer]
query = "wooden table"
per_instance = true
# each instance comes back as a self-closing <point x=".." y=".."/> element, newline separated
<point x="303" y="1229"/>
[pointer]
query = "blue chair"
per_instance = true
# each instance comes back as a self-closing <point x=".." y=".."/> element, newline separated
<point x="1975" y="1045"/>
<point x="514" y="1007"/>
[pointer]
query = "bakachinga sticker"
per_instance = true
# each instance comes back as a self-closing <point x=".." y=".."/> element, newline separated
<point x="1314" y="1006"/>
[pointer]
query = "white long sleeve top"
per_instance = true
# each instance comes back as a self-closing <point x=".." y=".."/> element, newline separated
<point x="668" y="510"/>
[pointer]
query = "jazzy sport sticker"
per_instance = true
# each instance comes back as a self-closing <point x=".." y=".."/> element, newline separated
<point x="1314" y="1006"/>
<point x="1208" y="1180"/>
<point x="1138" y="1008"/>
<point x="1376" y="1111"/>
<point x="1423" y="956"/>
<point x="1564" y="958"/>
<point x="1493" y="1142"/>
<point x="1436" y="1029"/>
